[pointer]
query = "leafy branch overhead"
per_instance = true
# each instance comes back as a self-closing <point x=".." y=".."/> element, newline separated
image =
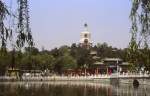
<point x="4" y="31"/>
<point x="140" y="32"/>
<point x="140" y="17"/>
<point x="24" y="31"/>
<point x="24" y="35"/>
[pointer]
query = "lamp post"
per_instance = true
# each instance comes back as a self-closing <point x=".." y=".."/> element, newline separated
<point x="85" y="66"/>
<point x="117" y="69"/>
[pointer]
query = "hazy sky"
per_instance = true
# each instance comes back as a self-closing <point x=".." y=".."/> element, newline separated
<point x="59" y="22"/>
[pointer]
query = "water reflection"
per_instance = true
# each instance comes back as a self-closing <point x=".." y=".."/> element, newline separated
<point x="70" y="89"/>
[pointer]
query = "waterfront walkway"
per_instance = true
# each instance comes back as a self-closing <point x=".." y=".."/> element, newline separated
<point x="78" y="78"/>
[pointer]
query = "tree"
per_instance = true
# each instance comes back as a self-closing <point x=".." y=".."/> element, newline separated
<point x="4" y="31"/>
<point x="44" y="61"/>
<point x="64" y="60"/>
<point x="69" y="62"/>
<point x="83" y="57"/>
<point x="73" y="51"/>
<point x="55" y="52"/>
<point x="140" y="18"/>
<point x="31" y="50"/>
<point x="24" y="35"/>
<point x="23" y="27"/>
<point x="5" y="60"/>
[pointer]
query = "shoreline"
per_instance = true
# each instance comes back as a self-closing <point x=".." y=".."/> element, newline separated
<point x="108" y="79"/>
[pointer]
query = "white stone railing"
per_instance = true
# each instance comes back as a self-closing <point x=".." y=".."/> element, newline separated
<point x="100" y="76"/>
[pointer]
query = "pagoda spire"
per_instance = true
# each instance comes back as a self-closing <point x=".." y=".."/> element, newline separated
<point x="86" y="27"/>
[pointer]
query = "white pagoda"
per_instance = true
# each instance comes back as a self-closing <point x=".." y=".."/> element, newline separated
<point x="85" y="38"/>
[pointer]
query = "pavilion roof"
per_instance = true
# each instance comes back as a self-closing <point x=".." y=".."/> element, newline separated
<point x="112" y="59"/>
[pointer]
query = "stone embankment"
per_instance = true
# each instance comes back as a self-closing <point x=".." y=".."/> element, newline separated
<point x="143" y="79"/>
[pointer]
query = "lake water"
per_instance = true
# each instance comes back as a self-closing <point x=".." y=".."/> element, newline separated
<point x="71" y="89"/>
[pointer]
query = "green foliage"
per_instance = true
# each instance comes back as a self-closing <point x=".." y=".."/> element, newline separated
<point x="58" y="59"/>
<point x="37" y="61"/>
<point x="24" y="36"/>
<point x="104" y="51"/>
<point x="45" y="61"/>
<point x="83" y="56"/>
<point x="140" y="17"/>
<point x="24" y="31"/>
<point x="69" y="62"/>
<point x="4" y="31"/>
<point x="64" y="60"/>
<point x="63" y="63"/>
<point x="140" y="28"/>
<point x="5" y="60"/>
<point x="31" y="50"/>
<point x="145" y="58"/>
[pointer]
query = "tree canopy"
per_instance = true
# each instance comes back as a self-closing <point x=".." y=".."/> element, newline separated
<point x="4" y="31"/>
<point x="24" y="35"/>
<point x="140" y="31"/>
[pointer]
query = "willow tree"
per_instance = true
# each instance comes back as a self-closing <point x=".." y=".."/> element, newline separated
<point x="140" y="31"/>
<point x="4" y="32"/>
<point x="24" y="30"/>
<point x="24" y="36"/>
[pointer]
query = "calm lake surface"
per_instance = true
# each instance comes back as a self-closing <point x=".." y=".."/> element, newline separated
<point x="71" y="89"/>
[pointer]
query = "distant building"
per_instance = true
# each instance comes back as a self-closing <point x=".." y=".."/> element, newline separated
<point x="111" y="65"/>
<point x="85" y="38"/>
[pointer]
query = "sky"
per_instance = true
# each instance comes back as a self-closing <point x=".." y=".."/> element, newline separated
<point x="59" y="22"/>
